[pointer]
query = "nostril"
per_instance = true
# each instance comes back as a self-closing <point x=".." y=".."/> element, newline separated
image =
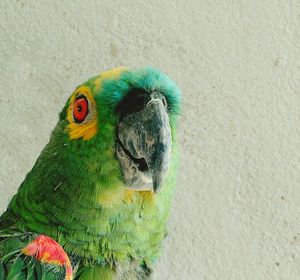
<point x="159" y="95"/>
<point x="164" y="101"/>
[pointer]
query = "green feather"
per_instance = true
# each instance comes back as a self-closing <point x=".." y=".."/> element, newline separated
<point x="96" y="273"/>
<point x="16" y="272"/>
<point x="1" y="272"/>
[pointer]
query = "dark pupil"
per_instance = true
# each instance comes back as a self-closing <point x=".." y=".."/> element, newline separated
<point x="79" y="108"/>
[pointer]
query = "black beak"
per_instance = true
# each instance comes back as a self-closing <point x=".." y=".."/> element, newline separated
<point x="144" y="144"/>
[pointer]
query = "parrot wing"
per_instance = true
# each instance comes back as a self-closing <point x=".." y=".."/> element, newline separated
<point x="28" y="256"/>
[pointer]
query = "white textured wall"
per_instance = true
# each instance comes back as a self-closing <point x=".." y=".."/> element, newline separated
<point x="236" y="213"/>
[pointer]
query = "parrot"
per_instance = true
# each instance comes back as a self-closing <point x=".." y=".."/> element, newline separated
<point x="97" y="201"/>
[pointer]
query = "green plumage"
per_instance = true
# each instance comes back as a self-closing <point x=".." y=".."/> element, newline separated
<point x="75" y="194"/>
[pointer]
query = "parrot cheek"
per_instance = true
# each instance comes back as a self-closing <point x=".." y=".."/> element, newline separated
<point x="144" y="147"/>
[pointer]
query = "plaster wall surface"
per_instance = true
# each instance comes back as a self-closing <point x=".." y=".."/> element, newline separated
<point x="236" y="212"/>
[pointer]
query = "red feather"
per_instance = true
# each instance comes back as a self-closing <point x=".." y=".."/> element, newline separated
<point x="48" y="251"/>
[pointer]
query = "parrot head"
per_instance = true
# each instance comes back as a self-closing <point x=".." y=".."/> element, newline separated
<point x="118" y="128"/>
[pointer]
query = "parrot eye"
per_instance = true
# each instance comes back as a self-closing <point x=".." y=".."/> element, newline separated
<point x="81" y="109"/>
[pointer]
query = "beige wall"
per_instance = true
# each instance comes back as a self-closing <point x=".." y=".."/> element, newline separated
<point x="236" y="213"/>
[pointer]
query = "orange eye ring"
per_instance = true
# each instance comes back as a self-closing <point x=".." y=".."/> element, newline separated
<point x="81" y="109"/>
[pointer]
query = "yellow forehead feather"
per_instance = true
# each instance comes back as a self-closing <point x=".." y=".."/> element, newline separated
<point x="110" y="74"/>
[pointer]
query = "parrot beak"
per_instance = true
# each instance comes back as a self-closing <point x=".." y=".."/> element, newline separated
<point x="144" y="145"/>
